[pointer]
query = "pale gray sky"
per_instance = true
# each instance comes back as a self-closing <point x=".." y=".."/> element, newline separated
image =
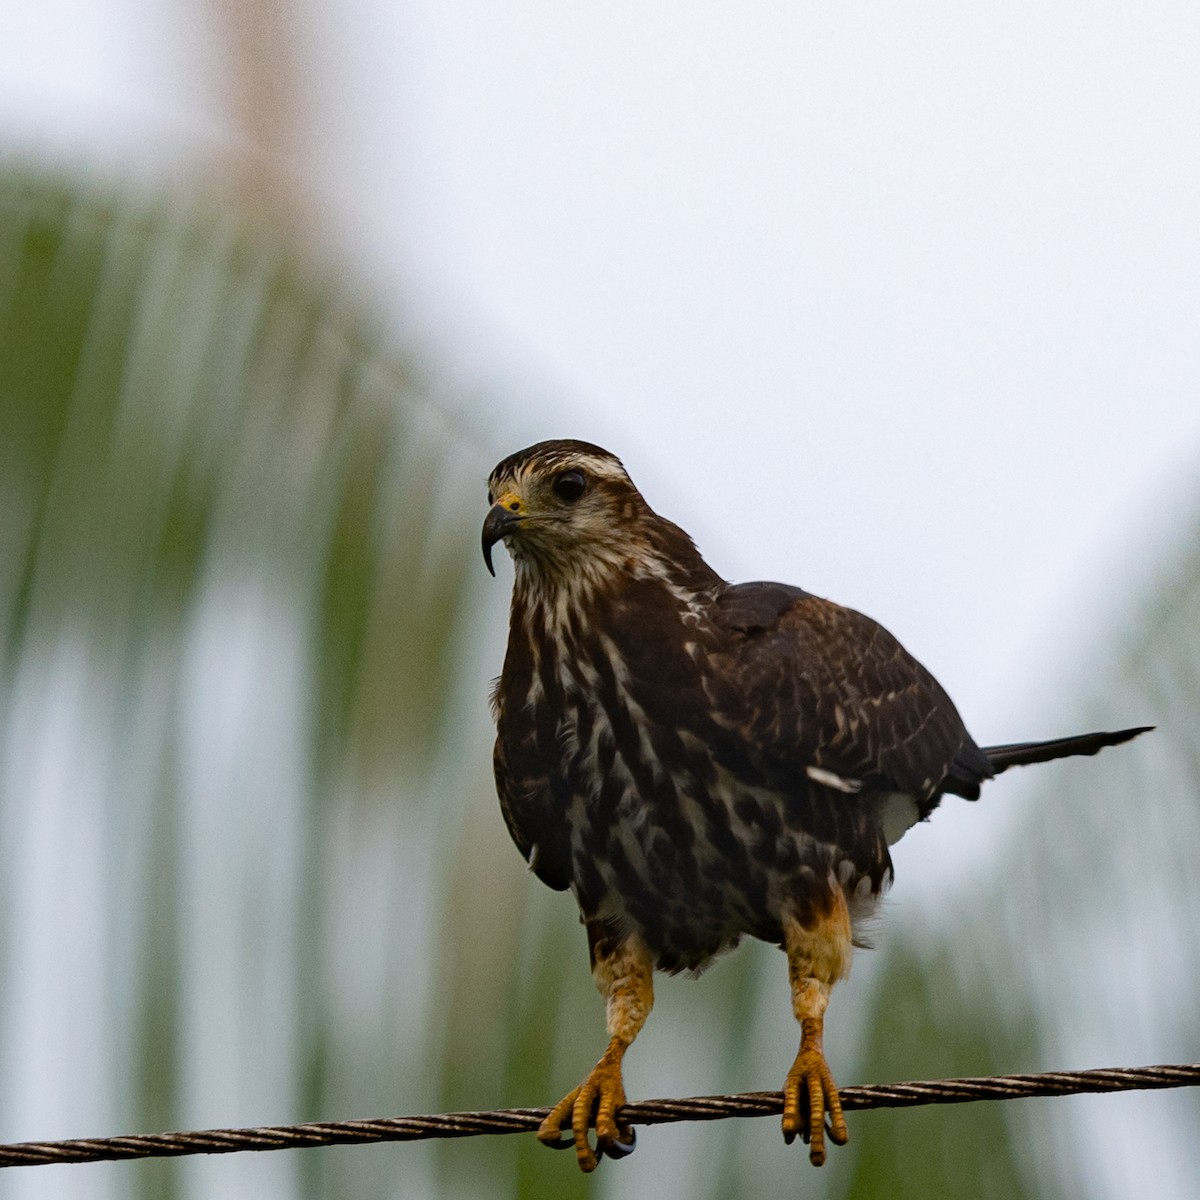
<point x="897" y="302"/>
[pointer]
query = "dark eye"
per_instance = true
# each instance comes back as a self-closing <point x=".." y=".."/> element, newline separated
<point x="569" y="485"/>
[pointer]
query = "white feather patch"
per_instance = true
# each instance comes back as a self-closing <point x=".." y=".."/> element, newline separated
<point x="829" y="779"/>
<point x="899" y="813"/>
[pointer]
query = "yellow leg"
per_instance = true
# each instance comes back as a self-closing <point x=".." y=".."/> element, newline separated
<point x="624" y="973"/>
<point x="818" y="954"/>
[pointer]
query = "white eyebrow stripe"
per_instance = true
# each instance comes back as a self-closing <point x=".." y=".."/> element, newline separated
<point x="599" y="468"/>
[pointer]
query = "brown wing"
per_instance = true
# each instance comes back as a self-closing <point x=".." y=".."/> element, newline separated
<point x="533" y="822"/>
<point x="830" y="692"/>
<point x="533" y="802"/>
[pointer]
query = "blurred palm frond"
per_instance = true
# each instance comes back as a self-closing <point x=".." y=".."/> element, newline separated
<point x="232" y="622"/>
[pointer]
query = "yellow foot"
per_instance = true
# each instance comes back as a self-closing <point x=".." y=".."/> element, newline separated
<point x="808" y="1095"/>
<point x="593" y="1104"/>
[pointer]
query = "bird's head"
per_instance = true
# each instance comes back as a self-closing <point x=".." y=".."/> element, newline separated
<point x="563" y="508"/>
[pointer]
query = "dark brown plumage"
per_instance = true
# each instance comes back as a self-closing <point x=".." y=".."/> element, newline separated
<point x="698" y="761"/>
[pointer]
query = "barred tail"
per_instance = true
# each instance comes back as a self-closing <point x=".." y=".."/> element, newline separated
<point x="1018" y="754"/>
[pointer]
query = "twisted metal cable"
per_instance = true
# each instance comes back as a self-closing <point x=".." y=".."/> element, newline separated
<point x="648" y="1112"/>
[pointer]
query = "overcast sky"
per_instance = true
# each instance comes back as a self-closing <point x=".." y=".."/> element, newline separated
<point x="898" y="302"/>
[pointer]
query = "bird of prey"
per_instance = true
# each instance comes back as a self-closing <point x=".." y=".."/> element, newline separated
<point x="699" y="761"/>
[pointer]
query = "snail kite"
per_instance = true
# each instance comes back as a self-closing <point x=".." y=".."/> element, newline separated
<point x="698" y="760"/>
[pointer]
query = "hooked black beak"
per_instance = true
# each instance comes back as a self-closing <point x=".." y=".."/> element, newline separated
<point x="499" y="523"/>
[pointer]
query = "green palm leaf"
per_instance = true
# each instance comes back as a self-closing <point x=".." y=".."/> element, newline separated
<point x="232" y="611"/>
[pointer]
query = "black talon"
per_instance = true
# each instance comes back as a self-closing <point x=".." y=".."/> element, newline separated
<point x="566" y="1142"/>
<point x="622" y="1149"/>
